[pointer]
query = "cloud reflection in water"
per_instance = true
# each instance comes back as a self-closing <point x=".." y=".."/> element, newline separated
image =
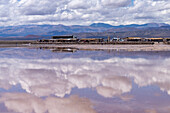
<point x="110" y="77"/>
<point x="27" y="103"/>
<point x="58" y="76"/>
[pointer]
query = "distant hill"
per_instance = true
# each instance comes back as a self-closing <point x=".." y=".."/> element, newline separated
<point x="30" y="32"/>
<point x="133" y="32"/>
<point x="131" y="25"/>
<point x="46" y="30"/>
<point x="101" y="25"/>
<point x="144" y="25"/>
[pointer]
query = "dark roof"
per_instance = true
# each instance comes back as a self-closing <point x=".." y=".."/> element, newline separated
<point x="91" y="39"/>
<point x="61" y="37"/>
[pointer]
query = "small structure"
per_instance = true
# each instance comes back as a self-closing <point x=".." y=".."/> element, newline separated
<point x="154" y="39"/>
<point x="91" y="40"/>
<point x="135" y="39"/>
<point x="44" y="40"/>
<point x="115" y="39"/>
<point x="166" y="39"/>
<point x="108" y="39"/>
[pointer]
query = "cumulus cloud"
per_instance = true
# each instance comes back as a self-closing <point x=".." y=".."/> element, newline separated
<point x="116" y="3"/>
<point x="36" y="7"/>
<point x="79" y="4"/>
<point x="26" y="103"/>
<point x="4" y="9"/>
<point x="84" y="12"/>
<point x="2" y="2"/>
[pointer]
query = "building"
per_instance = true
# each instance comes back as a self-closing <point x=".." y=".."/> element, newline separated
<point x="135" y="39"/>
<point x="64" y="37"/>
<point x="91" y="40"/>
<point x="154" y="39"/>
<point x="166" y="39"/>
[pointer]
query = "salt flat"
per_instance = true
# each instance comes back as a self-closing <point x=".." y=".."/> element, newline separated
<point x="156" y="47"/>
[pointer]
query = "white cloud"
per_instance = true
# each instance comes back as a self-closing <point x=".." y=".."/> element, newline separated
<point x="36" y="7"/>
<point x="84" y="12"/>
<point x="116" y="3"/>
<point x="79" y="4"/>
<point x="2" y="2"/>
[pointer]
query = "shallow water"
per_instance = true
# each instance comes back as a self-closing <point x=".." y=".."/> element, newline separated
<point x="49" y="81"/>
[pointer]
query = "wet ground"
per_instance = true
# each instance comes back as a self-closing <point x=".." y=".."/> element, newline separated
<point x="43" y="80"/>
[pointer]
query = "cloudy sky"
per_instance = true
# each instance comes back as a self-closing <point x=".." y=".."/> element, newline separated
<point x="83" y="12"/>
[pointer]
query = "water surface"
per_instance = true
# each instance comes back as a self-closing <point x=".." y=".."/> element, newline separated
<point x="48" y="81"/>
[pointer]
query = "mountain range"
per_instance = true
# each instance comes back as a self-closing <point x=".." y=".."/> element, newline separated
<point x="31" y="32"/>
<point x="131" y="25"/>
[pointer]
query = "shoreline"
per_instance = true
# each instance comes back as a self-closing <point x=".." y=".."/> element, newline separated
<point x="155" y="47"/>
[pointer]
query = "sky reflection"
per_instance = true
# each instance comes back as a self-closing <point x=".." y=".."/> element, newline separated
<point x="138" y="84"/>
<point x="26" y="103"/>
<point x="58" y="76"/>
